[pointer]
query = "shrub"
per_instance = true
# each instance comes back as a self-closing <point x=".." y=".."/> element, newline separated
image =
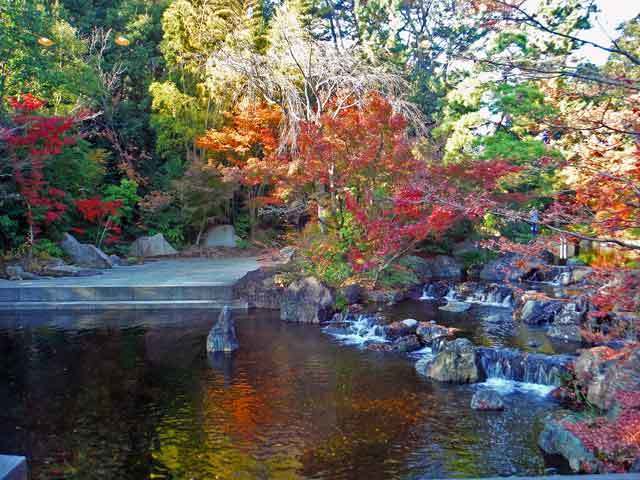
<point x="45" y="249"/>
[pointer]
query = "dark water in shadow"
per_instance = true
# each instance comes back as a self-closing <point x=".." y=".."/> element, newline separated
<point x="131" y="395"/>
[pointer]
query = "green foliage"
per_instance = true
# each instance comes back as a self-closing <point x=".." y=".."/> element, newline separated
<point x="125" y="192"/>
<point x="325" y="258"/>
<point x="45" y="249"/>
<point x="335" y="271"/>
<point x="340" y="303"/>
<point x="10" y="232"/>
<point x="508" y="39"/>
<point x="508" y="146"/>
<point x="475" y="258"/>
<point x="169" y="223"/>
<point x="398" y="276"/>
<point x="523" y="102"/>
<point x="78" y="170"/>
<point x="242" y="225"/>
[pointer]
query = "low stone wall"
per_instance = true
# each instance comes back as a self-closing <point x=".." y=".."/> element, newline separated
<point x="13" y="468"/>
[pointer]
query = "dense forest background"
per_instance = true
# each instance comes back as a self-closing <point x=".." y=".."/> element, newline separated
<point x="360" y="130"/>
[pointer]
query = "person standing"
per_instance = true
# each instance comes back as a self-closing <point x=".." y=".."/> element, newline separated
<point x="534" y="219"/>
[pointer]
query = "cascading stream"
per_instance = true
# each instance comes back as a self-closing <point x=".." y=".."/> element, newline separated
<point x="356" y="329"/>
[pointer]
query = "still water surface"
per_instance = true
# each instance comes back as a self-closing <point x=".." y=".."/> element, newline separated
<point x="133" y="395"/>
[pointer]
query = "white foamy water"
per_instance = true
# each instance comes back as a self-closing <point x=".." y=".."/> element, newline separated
<point x="491" y="301"/>
<point x="489" y="297"/>
<point x="358" y="331"/>
<point x="424" y="352"/>
<point x="428" y="292"/>
<point x="506" y="387"/>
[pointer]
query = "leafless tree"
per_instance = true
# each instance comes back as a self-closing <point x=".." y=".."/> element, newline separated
<point x="308" y="78"/>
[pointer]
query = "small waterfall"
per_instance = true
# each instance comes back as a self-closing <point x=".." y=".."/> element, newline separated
<point x="452" y="295"/>
<point x="556" y="275"/>
<point x="429" y="292"/>
<point x="491" y="295"/>
<point x="476" y="293"/>
<point x="513" y="364"/>
<point x="356" y="329"/>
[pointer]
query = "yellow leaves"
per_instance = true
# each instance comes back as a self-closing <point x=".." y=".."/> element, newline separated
<point x="45" y="42"/>
<point x="122" y="41"/>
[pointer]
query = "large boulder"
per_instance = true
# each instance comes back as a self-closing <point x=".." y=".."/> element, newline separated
<point x="421" y="267"/>
<point x="574" y="275"/>
<point x="510" y="268"/>
<point x="606" y="372"/>
<point x="307" y="301"/>
<point x="390" y="297"/>
<point x="222" y="337"/>
<point x="557" y="439"/>
<point x="566" y="333"/>
<point x="540" y="311"/>
<point x="260" y="288"/>
<point x="567" y="323"/>
<point x="354" y="293"/>
<point x="441" y="267"/>
<point x="220" y="236"/>
<point x="455" y="362"/>
<point x="487" y="400"/>
<point x="400" y="329"/>
<point x="444" y="267"/>
<point x="408" y="343"/>
<point x="83" y="254"/>
<point x="155" y="246"/>
<point x="429" y="332"/>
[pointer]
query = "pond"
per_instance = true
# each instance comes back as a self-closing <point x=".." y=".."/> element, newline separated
<point x="133" y="395"/>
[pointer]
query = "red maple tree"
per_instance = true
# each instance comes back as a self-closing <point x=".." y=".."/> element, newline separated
<point x="32" y="140"/>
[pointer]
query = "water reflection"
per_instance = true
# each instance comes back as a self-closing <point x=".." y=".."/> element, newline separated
<point x="135" y="395"/>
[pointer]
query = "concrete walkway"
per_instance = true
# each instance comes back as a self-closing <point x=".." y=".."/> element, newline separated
<point x="172" y="283"/>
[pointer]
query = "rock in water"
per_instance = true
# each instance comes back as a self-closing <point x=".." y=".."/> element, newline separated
<point x="307" y="301"/>
<point x="487" y="400"/>
<point x="539" y="312"/>
<point x="455" y="307"/>
<point x="454" y="363"/>
<point x="222" y="337"/>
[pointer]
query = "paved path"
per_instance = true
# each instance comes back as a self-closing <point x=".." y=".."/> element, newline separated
<point x="172" y="283"/>
<point x="172" y="272"/>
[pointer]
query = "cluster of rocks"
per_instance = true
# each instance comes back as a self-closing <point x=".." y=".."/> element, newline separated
<point x="563" y="318"/>
<point x="408" y="335"/>
<point x="305" y="300"/>
<point x="86" y="259"/>
<point x="602" y="374"/>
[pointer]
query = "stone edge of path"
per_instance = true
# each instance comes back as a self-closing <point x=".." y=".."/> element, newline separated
<point x="212" y="292"/>
<point x="125" y="305"/>
<point x="13" y="467"/>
